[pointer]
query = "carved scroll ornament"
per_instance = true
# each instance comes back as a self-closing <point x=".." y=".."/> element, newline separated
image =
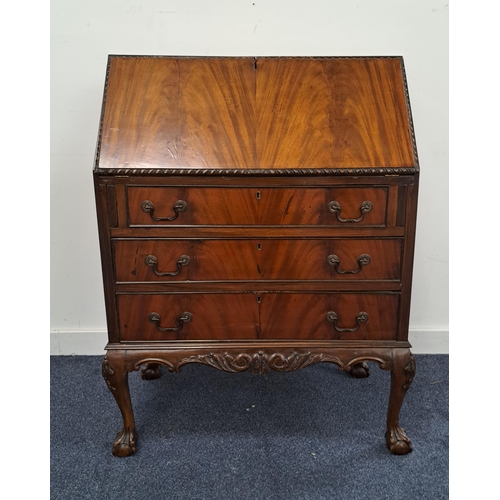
<point x="262" y="362"/>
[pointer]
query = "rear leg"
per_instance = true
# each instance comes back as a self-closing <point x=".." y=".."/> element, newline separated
<point x="360" y="370"/>
<point x="151" y="371"/>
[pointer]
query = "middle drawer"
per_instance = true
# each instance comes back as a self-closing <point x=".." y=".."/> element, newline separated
<point x="256" y="259"/>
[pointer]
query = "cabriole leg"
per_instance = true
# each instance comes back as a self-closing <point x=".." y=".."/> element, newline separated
<point x="116" y="376"/>
<point x="403" y="371"/>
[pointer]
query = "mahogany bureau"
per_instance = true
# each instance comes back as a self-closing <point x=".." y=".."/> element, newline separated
<point x="256" y="214"/>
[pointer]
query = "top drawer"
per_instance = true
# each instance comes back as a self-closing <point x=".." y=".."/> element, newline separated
<point x="207" y="206"/>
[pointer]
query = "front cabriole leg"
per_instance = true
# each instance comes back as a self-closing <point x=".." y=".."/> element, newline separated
<point x="402" y="373"/>
<point x="115" y="374"/>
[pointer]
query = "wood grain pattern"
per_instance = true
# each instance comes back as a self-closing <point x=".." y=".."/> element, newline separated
<point x="258" y="315"/>
<point x="303" y="316"/>
<point x="179" y="112"/>
<point x="233" y="113"/>
<point x="331" y="112"/>
<point x="257" y="206"/>
<point x="260" y="259"/>
<point x="215" y="316"/>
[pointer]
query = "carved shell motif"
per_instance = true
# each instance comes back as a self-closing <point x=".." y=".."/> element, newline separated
<point x="259" y="362"/>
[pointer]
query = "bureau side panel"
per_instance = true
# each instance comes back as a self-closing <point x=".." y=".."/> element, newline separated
<point x="103" y="211"/>
<point x="408" y="256"/>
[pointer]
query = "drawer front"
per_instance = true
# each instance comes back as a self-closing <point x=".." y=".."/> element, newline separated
<point x="266" y="259"/>
<point x="218" y="316"/>
<point x="345" y="316"/>
<point x="212" y="316"/>
<point x="194" y="206"/>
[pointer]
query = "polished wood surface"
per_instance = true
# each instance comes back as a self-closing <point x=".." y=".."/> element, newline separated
<point x="215" y="316"/>
<point x="259" y="315"/>
<point x="286" y="190"/>
<point x="179" y="112"/>
<point x="331" y="112"/>
<point x="208" y="113"/>
<point x="256" y="259"/>
<point x="258" y="206"/>
<point x="303" y="316"/>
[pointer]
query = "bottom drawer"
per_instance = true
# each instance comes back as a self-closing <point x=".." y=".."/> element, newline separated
<point x="219" y="316"/>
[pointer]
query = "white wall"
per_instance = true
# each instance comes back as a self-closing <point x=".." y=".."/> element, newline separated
<point x="84" y="32"/>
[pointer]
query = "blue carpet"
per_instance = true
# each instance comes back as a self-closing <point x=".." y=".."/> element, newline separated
<point x="315" y="433"/>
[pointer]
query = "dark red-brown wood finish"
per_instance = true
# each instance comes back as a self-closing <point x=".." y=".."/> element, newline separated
<point x="256" y="214"/>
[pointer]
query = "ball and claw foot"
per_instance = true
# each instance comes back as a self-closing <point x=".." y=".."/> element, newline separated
<point x="151" y="371"/>
<point x="360" y="370"/>
<point x="398" y="442"/>
<point x="125" y="443"/>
